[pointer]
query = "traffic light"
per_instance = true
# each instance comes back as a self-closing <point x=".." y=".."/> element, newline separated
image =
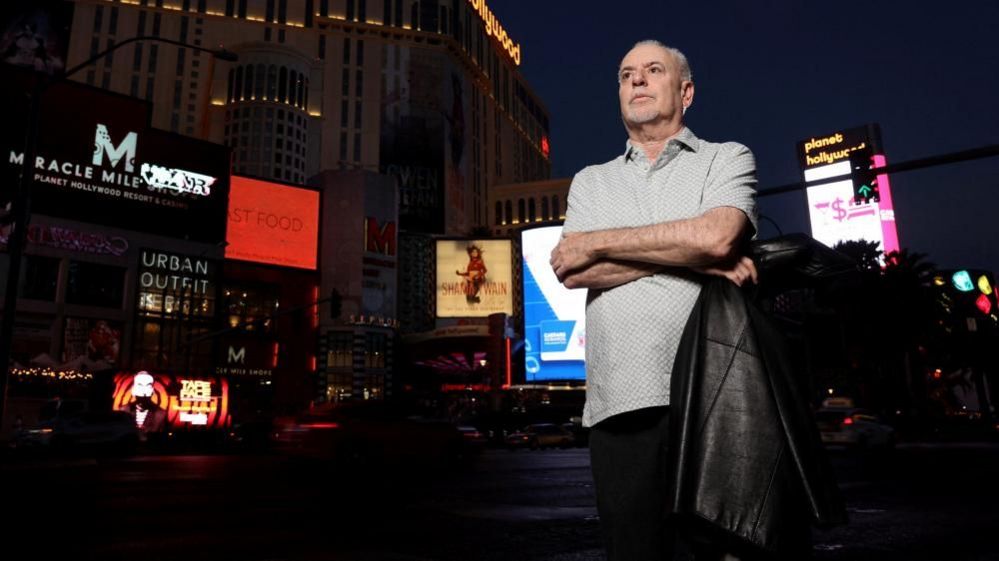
<point x="865" y="179"/>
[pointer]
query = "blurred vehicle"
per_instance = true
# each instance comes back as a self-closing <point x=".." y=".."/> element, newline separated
<point x="580" y="434"/>
<point x="473" y="437"/>
<point x="540" y="435"/>
<point x="67" y="426"/>
<point x="363" y="434"/>
<point x="853" y="427"/>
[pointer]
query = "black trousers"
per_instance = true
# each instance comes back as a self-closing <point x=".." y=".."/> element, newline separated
<point x="628" y="457"/>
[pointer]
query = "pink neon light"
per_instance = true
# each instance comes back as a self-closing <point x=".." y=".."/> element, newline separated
<point x="889" y="231"/>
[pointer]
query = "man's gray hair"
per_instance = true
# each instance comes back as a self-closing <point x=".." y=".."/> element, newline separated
<point x="681" y="59"/>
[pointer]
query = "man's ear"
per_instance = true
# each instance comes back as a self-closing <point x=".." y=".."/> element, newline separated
<point x="687" y="94"/>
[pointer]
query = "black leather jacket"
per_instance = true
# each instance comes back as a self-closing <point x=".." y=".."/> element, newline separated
<point x="748" y="463"/>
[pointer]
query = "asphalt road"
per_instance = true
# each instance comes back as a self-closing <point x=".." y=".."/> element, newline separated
<point x="923" y="502"/>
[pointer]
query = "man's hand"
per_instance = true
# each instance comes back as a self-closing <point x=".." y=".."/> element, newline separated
<point x="738" y="271"/>
<point x="572" y="253"/>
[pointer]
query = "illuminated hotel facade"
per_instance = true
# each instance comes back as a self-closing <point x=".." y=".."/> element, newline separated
<point x="423" y="94"/>
<point x="426" y="91"/>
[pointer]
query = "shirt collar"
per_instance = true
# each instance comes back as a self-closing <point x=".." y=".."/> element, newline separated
<point x="685" y="137"/>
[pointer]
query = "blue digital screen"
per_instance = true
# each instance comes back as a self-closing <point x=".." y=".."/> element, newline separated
<point x="554" y="316"/>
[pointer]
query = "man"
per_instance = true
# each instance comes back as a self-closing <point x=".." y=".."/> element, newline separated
<point x="149" y="416"/>
<point x="640" y="233"/>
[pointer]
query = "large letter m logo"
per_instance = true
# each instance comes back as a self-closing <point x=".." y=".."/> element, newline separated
<point x="237" y="356"/>
<point x="379" y="239"/>
<point x="102" y="144"/>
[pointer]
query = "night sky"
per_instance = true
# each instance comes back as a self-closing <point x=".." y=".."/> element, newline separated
<point x="768" y="75"/>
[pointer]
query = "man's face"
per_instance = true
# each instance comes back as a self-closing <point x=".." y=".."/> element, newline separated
<point x="142" y="385"/>
<point x="650" y="88"/>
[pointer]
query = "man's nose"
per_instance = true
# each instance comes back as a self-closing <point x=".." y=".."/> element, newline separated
<point x="638" y="78"/>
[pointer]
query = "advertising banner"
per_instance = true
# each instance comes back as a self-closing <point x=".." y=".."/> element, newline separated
<point x="161" y="402"/>
<point x="835" y="213"/>
<point x="97" y="160"/>
<point x="412" y="136"/>
<point x="474" y="278"/>
<point x="35" y="34"/>
<point x="272" y="223"/>
<point x="554" y="316"/>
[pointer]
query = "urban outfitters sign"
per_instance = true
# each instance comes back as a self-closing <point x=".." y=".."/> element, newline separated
<point x="97" y="160"/>
<point x="171" y="283"/>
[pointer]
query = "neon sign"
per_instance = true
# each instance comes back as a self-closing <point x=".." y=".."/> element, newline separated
<point x="494" y="29"/>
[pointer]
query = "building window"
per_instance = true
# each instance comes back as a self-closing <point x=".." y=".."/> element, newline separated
<point x="375" y="346"/>
<point x="283" y="85"/>
<point x="531" y="210"/>
<point x="544" y="209"/>
<point x="252" y="306"/>
<point x="271" y="83"/>
<point x="508" y="218"/>
<point x="520" y="211"/>
<point x="39" y="279"/>
<point x="98" y="18"/>
<point x="340" y="353"/>
<point x="93" y="284"/>
<point x="374" y="386"/>
<point x="556" y="213"/>
<point x="498" y="214"/>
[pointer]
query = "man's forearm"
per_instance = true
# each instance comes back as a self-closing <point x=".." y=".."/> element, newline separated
<point x="609" y="273"/>
<point x="693" y="242"/>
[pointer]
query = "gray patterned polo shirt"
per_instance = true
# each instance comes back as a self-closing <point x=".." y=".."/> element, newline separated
<point x="633" y="330"/>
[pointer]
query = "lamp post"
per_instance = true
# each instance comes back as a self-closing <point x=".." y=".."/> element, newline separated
<point x="20" y="212"/>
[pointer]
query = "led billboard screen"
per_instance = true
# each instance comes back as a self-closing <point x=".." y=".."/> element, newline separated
<point x="272" y="223"/>
<point x="474" y="278"/>
<point x="835" y="213"/>
<point x="554" y="316"/>
<point x="161" y="402"/>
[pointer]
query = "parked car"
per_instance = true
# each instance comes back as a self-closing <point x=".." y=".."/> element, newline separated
<point x="363" y="434"/>
<point x="854" y="427"/>
<point x="66" y="427"/>
<point x="540" y="435"/>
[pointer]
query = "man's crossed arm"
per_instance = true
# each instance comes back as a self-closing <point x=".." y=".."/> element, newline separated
<point x="605" y="258"/>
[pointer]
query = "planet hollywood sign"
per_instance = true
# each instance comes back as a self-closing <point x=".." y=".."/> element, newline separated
<point x="494" y="29"/>
<point x="119" y="182"/>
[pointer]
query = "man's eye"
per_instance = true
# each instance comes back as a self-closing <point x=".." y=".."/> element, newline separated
<point x="625" y="75"/>
<point x="655" y="70"/>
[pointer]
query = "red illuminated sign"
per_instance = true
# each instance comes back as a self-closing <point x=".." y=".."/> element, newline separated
<point x="379" y="238"/>
<point x="545" y="146"/>
<point x="272" y="223"/>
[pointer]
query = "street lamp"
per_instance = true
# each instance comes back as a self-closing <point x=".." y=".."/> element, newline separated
<point x="21" y="202"/>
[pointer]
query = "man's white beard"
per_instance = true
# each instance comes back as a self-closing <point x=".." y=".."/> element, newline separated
<point x="641" y="115"/>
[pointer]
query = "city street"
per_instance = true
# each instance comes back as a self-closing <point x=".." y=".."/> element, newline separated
<point x="924" y="502"/>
